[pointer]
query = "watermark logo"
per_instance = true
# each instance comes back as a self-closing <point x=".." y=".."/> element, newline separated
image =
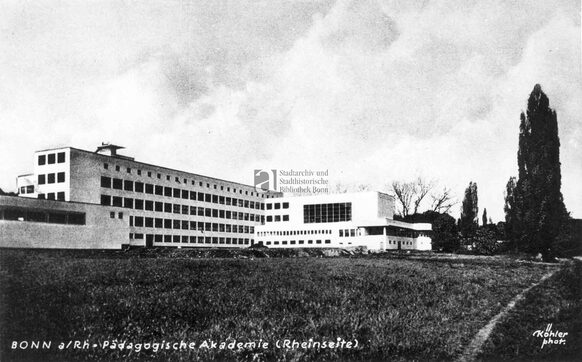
<point x="296" y="182"/>
<point x="551" y="337"/>
<point x="265" y="180"/>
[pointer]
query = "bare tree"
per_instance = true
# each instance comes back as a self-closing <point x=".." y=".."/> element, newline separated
<point x="422" y="188"/>
<point x="410" y="194"/>
<point x="442" y="201"/>
<point x="405" y="193"/>
<point x="341" y="188"/>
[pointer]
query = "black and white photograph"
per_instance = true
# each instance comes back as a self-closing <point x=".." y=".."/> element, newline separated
<point x="290" y="180"/>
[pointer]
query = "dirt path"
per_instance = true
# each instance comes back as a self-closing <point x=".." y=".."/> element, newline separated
<point x="476" y="345"/>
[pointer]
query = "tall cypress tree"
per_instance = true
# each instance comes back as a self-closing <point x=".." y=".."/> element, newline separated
<point x="539" y="212"/>
<point x="470" y="211"/>
<point x="484" y="217"/>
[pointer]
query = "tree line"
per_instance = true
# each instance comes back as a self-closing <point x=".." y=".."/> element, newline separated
<point x="536" y="219"/>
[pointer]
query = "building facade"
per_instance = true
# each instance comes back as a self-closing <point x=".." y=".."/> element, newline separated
<point x="163" y="206"/>
<point x="159" y="206"/>
<point x="347" y="220"/>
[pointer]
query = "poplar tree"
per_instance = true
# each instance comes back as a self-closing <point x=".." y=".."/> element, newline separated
<point x="470" y="211"/>
<point x="537" y="211"/>
<point x="485" y="217"/>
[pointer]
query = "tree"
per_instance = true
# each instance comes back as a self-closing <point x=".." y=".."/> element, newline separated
<point x="409" y="195"/>
<point x="537" y="211"/>
<point x="512" y="226"/>
<point x="442" y="201"/>
<point x="484" y="217"/>
<point x="469" y="212"/>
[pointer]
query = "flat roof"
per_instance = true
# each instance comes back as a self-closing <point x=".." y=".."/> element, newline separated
<point x="125" y="158"/>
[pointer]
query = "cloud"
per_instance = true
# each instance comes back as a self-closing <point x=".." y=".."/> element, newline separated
<point x="371" y="90"/>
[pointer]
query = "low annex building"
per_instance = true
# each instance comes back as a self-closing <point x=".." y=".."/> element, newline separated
<point x="81" y="199"/>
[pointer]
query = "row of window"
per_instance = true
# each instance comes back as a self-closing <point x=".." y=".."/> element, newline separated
<point x="394" y="242"/>
<point x="277" y="218"/>
<point x="277" y="205"/>
<point x="298" y="242"/>
<point x="128" y="185"/>
<point x="158" y="238"/>
<point x="292" y="232"/>
<point x="53" y="196"/>
<point x="51" y="178"/>
<point x="185" y="180"/>
<point x="51" y="158"/>
<point x="51" y="217"/>
<point x="27" y="189"/>
<point x="349" y="232"/>
<point x="159" y="223"/>
<point x="149" y="205"/>
<point x="322" y="213"/>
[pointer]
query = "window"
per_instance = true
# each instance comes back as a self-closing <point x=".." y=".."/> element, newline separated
<point x="176" y="224"/>
<point x="139" y="172"/>
<point x="128" y="203"/>
<point x="41" y="160"/>
<point x="51" y="178"/>
<point x="41" y="196"/>
<point x="106" y="166"/>
<point x="29" y="189"/>
<point x="176" y="209"/>
<point x="167" y="207"/>
<point x="139" y="187"/>
<point x="149" y="205"/>
<point x="128" y="185"/>
<point x="324" y="213"/>
<point x="112" y="214"/>
<point x="159" y="206"/>
<point x="61" y="177"/>
<point x="277" y="206"/>
<point x="128" y="170"/>
<point x="177" y="193"/>
<point x="185" y="194"/>
<point x="159" y="190"/>
<point x="269" y="206"/>
<point x="117" y="168"/>
<point x="285" y="217"/>
<point x="269" y="218"/>
<point x="138" y="204"/>
<point x="120" y="215"/>
<point x="168" y="191"/>
<point x="138" y="221"/>
<point x="117" y="201"/>
<point x="285" y="205"/>
<point x="106" y="182"/>
<point x="149" y="174"/>
<point x="117" y="183"/>
<point x="60" y="157"/>
<point x="61" y="196"/>
<point x="167" y="223"/>
<point x="149" y="222"/>
<point x="277" y="218"/>
<point x="41" y="179"/>
<point x="51" y="158"/>
<point x="149" y="189"/>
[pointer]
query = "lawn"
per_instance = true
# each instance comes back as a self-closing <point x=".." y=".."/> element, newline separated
<point x="397" y="309"/>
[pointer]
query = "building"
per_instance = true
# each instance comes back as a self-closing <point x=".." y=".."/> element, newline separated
<point x="148" y="205"/>
<point x="339" y="221"/>
<point x="161" y="206"/>
<point x="34" y="223"/>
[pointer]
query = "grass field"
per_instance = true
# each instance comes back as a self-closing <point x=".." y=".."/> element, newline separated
<point x="396" y="309"/>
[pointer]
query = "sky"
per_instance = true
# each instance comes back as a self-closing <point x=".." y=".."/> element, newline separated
<point x="372" y="91"/>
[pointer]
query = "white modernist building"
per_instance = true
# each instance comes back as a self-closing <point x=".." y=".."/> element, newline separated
<point x="346" y="220"/>
<point x="149" y="205"/>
